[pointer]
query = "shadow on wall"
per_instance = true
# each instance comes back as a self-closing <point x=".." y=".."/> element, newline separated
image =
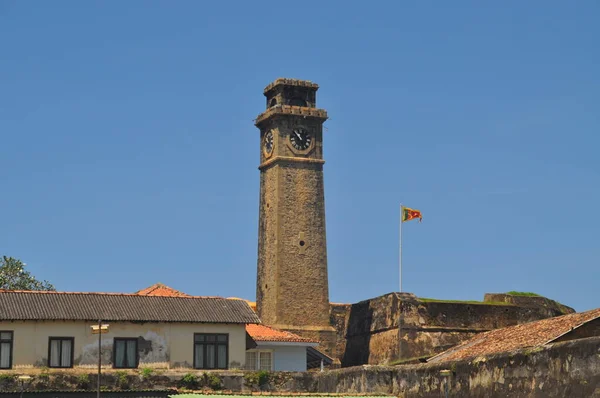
<point x="372" y="333"/>
<point x="358" y="336"/>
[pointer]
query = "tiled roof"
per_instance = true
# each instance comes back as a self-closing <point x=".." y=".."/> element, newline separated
<point x="28" y="305"/>
<point x="158" y="289"/>
<point x="266" y="333"/>
<point x="526" y="335"/>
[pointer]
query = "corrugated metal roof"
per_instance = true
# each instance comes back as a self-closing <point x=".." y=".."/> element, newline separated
<point x="24" y="305"/>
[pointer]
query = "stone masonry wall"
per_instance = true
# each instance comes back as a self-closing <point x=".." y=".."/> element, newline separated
<point x="368" y="330"/>
<point x="568" y="369"/>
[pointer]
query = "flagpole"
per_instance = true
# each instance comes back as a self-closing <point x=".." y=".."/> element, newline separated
<point x="400" y="249"/>
<point x="400" y="298"/>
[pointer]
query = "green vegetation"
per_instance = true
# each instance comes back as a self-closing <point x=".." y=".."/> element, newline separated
<point x="263" y="377"/>
<point x="532" y="350"/>
<point x="213" y="381"/>
<point x="122" y="380"/>
<point x="257" y="379"/>
<point x="146" y="373"/>
<point x="430" y="300"/>
<point x="526" y="294"/>
<point x="14" y="277"/>
<point x="83" y="381"/>
<point x="44" y="374"/>
<point x="7" y="377"/>
<point x="189" y="381"/>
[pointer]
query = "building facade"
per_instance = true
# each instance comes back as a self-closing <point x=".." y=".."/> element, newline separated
<point x="57" y="330"/>
<point x="277" y="350"/>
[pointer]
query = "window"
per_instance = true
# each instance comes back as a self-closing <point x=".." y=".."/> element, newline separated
<point x="6" y="346"/>
<point x="259" y="360"/>
<point x="60" y="352"/>
<point x="297" y="102"/>
<point x="125" y="353"/>
<point x="211" y="351"/>
<point x="251" y="360"/>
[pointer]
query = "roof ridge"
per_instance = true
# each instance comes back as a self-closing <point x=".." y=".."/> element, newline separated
<point x="160" y="289"/>
<point x="28" y="305"/>
<point x="102" y="294"/>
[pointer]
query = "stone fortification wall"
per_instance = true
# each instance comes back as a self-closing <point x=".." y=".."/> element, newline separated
<point x="567" y="369"/>
<point x="368" y="330"/>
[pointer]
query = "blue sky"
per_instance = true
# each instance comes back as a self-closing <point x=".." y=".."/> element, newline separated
<point x="129" y="154"/>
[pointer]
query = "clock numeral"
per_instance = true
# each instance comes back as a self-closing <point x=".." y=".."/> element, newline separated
<point x="300" y="139"/>
<point x="268" y="142"/>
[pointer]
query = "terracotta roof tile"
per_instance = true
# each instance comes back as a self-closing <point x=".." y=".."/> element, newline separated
<point x="266" y="333"/>
<point x="517" y="337"/>
<point x="158" y="289"/>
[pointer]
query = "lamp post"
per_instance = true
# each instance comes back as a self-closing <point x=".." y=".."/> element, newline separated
<point x="99" y="329"/>
<point x="24" y="379"/>
<point x="446" y="373"/>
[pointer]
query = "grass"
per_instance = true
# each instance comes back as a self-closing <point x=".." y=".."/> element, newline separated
<point x="431" y="300"/>
<point x="526" y="294"/>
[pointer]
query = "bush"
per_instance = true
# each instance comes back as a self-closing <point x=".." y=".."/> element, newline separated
<point x="213" y="381"/>
<point x="83" y="381"/>
<point x="189" y="381"/>
<point x="7" y="381"/>
<point x="122" y="380"/>
<point x="257" y="379"/>
<point x="146" y="372"/>
<point x="7" y="377"/>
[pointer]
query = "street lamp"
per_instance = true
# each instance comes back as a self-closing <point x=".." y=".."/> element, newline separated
<point x="99" y="329"/>
<point x="446" y="373"/>
<point x="24" y="379"/>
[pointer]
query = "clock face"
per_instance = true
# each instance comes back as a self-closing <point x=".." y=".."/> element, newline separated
<point x="300" y="139"/>
<point x="268" y="142"/>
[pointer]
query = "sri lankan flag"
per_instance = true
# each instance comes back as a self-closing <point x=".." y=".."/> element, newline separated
<point x="410" y="214"/>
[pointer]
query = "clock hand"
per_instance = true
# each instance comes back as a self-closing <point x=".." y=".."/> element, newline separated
<point x="298" y="135"/>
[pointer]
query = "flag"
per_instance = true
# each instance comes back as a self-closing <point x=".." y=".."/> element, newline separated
<point x="410" y="214"/>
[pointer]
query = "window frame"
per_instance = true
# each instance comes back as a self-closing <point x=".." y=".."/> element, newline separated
<point x="258" y="352"/>
<point x="12" y="345"/>
<point x="216" y="343"/>
<point x="137" y="352"/>
<point x="61" y="339"/>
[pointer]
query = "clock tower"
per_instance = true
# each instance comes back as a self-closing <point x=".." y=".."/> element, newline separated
<point x="292" y="291"/>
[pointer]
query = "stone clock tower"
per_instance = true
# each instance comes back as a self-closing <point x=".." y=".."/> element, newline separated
<point x="292" y="289"/>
